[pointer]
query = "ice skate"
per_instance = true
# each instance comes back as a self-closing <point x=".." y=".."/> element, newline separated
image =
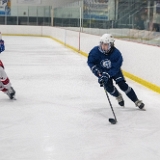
<point x="139" y="104"/>
<point x="120" y="100"/>
<point x="11" y="93"/>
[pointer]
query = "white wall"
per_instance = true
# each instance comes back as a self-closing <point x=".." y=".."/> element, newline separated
<point x="139" y="35"/>
<point x="32" y="30"/>
<point x="31" y="11"/>
<point x="43" y="3"/>
<point x="54" y="3"/>
<point x="139" y="59"/>
<point x="38" y="7"/>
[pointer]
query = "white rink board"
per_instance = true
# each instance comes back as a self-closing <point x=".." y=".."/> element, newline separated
<point x="15" y="29"/>
<point x="72" y="38"/>
<point x="139" y="59"/>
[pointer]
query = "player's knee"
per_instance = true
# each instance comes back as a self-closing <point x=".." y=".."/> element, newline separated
<point x="123" y="86"/>
<point x="109" y="89"/>
<point x="1" y="68"/>
<point x="1" y="71"/>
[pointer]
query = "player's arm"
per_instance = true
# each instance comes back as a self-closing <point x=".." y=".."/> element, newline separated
<point x="93" y="64"/>
<point x="2" y="46"/>
<point x="116" y="64"/>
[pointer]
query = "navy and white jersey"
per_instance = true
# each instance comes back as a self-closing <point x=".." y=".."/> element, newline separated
<point x="110" y="63"/>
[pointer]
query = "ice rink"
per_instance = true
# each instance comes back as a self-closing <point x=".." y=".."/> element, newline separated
<point x="61" y="113"/>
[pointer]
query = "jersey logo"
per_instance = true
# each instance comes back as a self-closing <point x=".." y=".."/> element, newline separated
<point x="106" y="63"/>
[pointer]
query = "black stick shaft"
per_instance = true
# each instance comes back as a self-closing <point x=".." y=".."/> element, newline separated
<point x="110" y="103"/>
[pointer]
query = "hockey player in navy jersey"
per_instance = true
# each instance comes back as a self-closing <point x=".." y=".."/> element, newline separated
<point x="5" y="85"/>
<point x="105" y="62"/>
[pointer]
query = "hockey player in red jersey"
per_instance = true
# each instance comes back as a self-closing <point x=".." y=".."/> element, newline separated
<point x="5" y="85"/>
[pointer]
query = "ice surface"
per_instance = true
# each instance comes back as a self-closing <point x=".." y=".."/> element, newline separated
<point x="61" y="113"/>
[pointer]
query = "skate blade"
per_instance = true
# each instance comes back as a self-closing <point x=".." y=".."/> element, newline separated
<point x="13" y="98"/>
<point x="143" y="109"/>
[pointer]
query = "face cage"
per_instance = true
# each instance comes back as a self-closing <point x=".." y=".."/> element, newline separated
<point x="105" y="51"/>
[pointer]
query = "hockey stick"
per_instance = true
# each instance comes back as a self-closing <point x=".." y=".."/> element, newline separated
<point x="111" y="120"/>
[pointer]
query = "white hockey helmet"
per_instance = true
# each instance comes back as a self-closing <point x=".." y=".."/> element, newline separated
<point x="107" y="38"/>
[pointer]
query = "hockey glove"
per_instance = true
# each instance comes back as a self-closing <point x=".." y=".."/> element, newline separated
<point x="103" y="79"/>
<point x="96" y="71"/>
<point x="2" y="47"/>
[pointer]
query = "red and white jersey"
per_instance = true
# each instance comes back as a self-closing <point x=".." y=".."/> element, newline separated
<point x="1" y="64"/>
<point x="4" y="80"/>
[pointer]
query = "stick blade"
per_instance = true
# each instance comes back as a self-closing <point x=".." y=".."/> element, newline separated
<point x="112" y="121"/>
